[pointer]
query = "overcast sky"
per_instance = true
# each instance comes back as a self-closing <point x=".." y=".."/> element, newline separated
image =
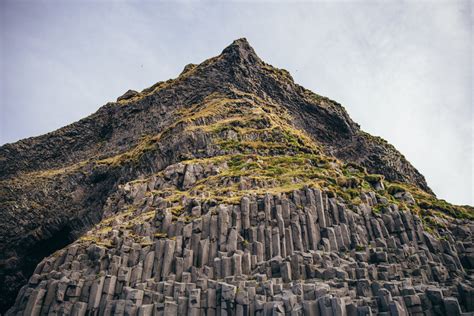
<point x="403" y="70"/>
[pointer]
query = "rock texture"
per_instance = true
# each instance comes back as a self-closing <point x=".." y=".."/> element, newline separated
<point x="228" y="190"/>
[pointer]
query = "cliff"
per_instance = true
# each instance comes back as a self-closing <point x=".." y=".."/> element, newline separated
<point x="227" y="189"/>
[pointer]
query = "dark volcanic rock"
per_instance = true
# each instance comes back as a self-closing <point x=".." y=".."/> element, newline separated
<point x="227" y="188"/>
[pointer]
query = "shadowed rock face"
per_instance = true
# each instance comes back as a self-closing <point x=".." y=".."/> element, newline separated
<point x="229" y="184"/>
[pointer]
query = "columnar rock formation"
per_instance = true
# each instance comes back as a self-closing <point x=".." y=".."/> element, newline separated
<point x="228" y="191"/>
<point x="300" y="252"/>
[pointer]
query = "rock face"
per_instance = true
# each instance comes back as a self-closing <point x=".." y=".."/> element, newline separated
<point x="228" y="190"/>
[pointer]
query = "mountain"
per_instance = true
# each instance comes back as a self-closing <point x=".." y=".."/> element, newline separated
<point x="230" y="189"/>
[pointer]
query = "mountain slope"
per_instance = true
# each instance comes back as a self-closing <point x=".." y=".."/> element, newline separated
<point x="113" y="129"/>
<point x="228" y="139"/>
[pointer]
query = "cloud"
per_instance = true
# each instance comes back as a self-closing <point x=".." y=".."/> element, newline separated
<point x="402" y="69"/>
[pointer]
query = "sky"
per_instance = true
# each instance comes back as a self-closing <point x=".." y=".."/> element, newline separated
<point x="402" y="69"/>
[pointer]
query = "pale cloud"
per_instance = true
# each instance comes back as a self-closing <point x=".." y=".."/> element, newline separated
<point x="402" y="69"/>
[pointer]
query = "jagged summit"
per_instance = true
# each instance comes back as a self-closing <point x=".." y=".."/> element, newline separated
<point x="240" y="50"/>
<point x="228" y="176"/>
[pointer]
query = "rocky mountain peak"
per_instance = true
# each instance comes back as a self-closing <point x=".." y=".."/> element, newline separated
<point x="240" y="51"/>
<point x="229" y="185"/>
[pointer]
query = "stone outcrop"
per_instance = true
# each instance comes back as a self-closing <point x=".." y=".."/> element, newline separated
<point x="229" y="189"/>
<point x="297" y="253"/>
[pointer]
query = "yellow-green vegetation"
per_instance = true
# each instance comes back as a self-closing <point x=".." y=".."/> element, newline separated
<point x="215" y="105"/>
<point x="95" y="238"/>
<point x="245" y="174"/>
<point x="425" y="201"/>
<point x="258" y="124"/>
<point x="284" y="173"/>
<point x="374" y="178"/>
<point x="49" y="173"/>
<point x="395" y="188"/>
<point x="280" y="75"/>
<point x="262" y="152"/>
<point x="126" y="220"/>
<point x="147" y="143"/>
<point x="360" y="248"/>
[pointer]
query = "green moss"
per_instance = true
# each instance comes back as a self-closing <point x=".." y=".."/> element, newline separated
<point x="356" y="167"/>
<point x="360" y="248"/>
<point x="161" y="235"/>
<point x="147" y="143"/>
<point x="459" y="212"/>
<point x="377" y="209"/>
<point x="268" y="155"/>
<point x="395" y="188"/>
<point x="348" y="182"/>
<point x="274" y="171"/>
<point x="374" y="178"/>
